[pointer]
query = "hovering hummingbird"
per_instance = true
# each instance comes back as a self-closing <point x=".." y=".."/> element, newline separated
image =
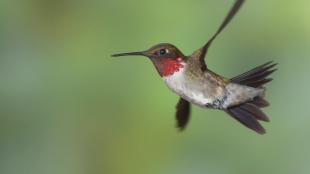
<point x="242" y="97"/>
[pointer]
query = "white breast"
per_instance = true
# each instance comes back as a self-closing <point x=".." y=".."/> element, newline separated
<point x="186" y="89"/>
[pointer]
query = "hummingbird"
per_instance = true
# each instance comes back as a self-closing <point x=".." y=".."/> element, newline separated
<point x="242" y="97"/>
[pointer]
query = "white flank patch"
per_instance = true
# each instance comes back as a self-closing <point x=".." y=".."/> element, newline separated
<point x="240" y="93"/>
<point x="184" y="88"/>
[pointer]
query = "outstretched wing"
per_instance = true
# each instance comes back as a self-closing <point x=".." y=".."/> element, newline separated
<point x="182" y="114"/>
<point x="201" y="53"/>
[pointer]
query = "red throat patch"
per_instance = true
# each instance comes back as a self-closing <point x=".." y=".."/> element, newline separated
<point x="167" y="67"/>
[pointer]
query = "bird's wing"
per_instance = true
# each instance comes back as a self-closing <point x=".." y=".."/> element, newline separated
<point x="201" y="53"/>
<point x="182" y="114"/>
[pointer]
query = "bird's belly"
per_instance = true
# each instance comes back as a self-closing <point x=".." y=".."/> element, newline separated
<point x="196" y="97"/>
<point x="188" y="90"/>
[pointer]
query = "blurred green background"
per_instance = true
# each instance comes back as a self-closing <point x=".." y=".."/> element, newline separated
<point x="67" y="107"/>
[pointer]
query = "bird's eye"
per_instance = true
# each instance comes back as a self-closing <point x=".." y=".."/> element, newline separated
<point x="163" y="51"/>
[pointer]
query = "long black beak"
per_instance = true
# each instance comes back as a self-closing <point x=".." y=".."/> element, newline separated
<point x="140" y="53"/>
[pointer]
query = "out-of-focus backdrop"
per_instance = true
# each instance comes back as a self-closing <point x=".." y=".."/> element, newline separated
<point x="67" y="107"/>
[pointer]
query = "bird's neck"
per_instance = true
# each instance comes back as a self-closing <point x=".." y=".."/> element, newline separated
<point x="167" y="67"/>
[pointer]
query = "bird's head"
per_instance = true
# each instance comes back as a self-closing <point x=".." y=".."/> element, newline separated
<point x="167" y="58"/>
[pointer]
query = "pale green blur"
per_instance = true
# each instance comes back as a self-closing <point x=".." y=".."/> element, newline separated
<point x="67" y="107"/>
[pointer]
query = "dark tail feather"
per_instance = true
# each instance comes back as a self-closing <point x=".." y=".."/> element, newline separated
<point x="260" y="102"/>
<point x="256" y="77"/>
<point x="257" y="113"/>
<point x="248" y="114"/>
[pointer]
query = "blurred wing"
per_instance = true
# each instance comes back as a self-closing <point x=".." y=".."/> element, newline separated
<point x="183" y="112"/>
<point x="201" y="53"/>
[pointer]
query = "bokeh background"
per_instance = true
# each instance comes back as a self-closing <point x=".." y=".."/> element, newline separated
<point x="67" y="107"/>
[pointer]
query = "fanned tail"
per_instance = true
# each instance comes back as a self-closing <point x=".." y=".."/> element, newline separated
<point x="249" y="113"/>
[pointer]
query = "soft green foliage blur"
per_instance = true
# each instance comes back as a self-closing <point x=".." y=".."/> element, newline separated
<point x="67" y="107"/>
